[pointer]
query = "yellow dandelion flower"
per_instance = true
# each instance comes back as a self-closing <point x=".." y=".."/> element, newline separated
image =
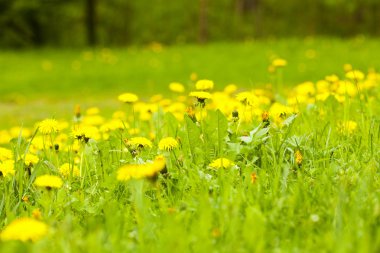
<point x="229" y="89"/>
<point x="204" y="84"/>
<point x="17" y="131"/>
<point x="66" y="170"/>
<point x="156" y="98"/>
<point x="134" y="131"/>
<point x="200" y="95"/>
<point x="305" y="89"/>
<point x="48" y="126"/>
<point x="140" y="142"/>
<point x="247" y="98"/>
<point x="278" y="62"/>
<point x="168" y="144"/>
<point x="347" y="127"/>
<point x="347" y="67"/>
<point x="48" y="181"/>
<point x="128" y="98"/>
<point x="85" y="132"/>
<point x="111" y="125"/>
<point x="24" y="229"/>
<point x="31" y="159"/>
<point x="139" y="171"/>
<point x="92" y="111"/>
<point x="5" y="154"/>
<point x="118" y="115"/>
<point x="159" y="163"/>
<point x="5" y="137"/>
<point x="332" y="78"/>
<point x="93" y="120"/>
<point x="176" y="87"/>
<point x="7" y="168"/>
<point x="355" y="75"/>
<point x="221" y="163"/>
<point x="130" y="171"/>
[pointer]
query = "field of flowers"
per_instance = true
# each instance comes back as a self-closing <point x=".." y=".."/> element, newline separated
<point x="200" y="168"/>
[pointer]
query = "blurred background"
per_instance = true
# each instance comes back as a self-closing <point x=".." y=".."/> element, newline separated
<point x="78" y="23"/>
<point x="55" y="54"/>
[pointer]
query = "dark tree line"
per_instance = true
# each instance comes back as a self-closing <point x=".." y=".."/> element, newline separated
<point x="122" y="22"/>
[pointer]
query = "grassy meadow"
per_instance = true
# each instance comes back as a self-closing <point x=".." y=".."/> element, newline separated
<point x="32" y="79"/>
<point x="262" y="146"/>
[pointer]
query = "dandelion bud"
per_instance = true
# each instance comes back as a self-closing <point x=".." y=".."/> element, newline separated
<point x="298" y="156"/>
<point x="77" y="111"/>
<point x="265" y="118"/>
<point x="253" y="177"/>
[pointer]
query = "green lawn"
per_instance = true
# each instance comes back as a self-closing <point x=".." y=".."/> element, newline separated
<point x="49" y="82"/>
<point x="69" y="74"/>
<point x="302" y="177"/>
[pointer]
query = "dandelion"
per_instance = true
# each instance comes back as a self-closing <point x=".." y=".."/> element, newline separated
<point x="77" y="112"/>
<point x="347" y="67"/>
<point x="176" y="87"/>
<point x="130" y="171"/>
<point x="134" y="131"/>
<point x="5" y="154"/>
<point x="128" y="98"/>
<point x="48" y="182"/>
<point x="25" y="199"/>
<point x="30" y="159"/>
<point x="204" y="85"/>
<point x="265" y="118"/>
<point x="24" y="229"/>
<point x="278" y="62"/>
<point x="201" y="96"/>
<point x="347" y="127"/>
<point x="92" y="111"/>
<point x="139" y="171"/>
<point x="48" y="126"/>
<point x="168" y="144"/>
<point x="355" y="75"/>
<point x="247" y="98"/>
<point x="7" y="168"/>
<point x="66" y="170"/>
<point x="140" y="142"/>
<point x="229" y="89"/>
<point x="298" y="157"/>
<point x="253" y="177"/>
<point x="221" y="163"/>
<point x="5" y="137"/>
<point x="332" y="78"/>
<point x="85" y="133"/>
<point x="93" y="120"/>
<point x="36" y="214"/>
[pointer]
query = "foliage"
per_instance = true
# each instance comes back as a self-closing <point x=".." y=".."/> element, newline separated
<point x="64" y="23"/>
<point x="283" y="172"/>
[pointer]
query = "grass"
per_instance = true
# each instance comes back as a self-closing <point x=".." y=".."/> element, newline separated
<point x="35" y="84"/>
<point x="327" y="202"/>
<point x="62" y="74"/>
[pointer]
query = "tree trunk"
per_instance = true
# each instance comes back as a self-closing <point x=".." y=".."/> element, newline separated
<point x="203" y="25"/>
<point x="91" y="22"/>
